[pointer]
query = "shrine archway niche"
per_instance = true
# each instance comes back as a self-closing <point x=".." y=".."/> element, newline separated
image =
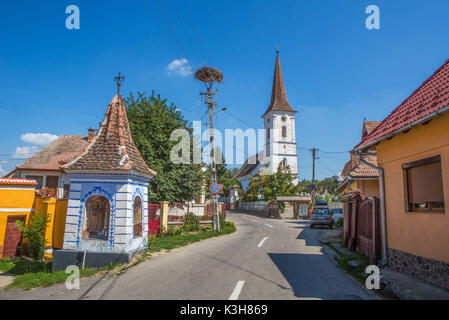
<point x="137" y="217"/>
<point x="97" y="214"/>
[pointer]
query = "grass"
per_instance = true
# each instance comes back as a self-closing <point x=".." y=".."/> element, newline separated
<point x="30" y="274"/>
<point x="180" y="240"/>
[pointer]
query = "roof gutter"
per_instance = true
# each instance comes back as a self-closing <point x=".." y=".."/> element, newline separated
<point x="383" y="217"/>
<point x="407" y="127"/>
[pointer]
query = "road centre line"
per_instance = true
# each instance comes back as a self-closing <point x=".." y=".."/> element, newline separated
<point x="269" y="225"/>
<point x="261" y="242"/>
<point x="238" y="288"/>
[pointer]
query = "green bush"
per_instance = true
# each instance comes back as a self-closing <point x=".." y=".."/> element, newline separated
<point x="339" y="222"/>
<point x="34" y="233"/>
<point x="191" y="222"/>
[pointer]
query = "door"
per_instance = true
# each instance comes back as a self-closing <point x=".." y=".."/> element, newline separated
<point x="13" y="236"/>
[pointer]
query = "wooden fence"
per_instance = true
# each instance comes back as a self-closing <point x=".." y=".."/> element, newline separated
<point x="362" y="225"/>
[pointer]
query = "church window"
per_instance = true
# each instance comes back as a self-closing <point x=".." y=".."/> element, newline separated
<point x="284" y="118"/>
<point x="137" y="214"/>
<point x="96" y="218"/>
<point x="284" y="132"/>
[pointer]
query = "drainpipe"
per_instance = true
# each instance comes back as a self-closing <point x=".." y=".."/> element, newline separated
<point x="383" y="216"/>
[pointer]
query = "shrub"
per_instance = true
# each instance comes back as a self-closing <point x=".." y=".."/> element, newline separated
<point x="34" y="233"/>
<point x="191" y="222"/>
<point x="339" y="222"/>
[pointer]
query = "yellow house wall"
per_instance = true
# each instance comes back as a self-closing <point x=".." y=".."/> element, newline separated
<point x="16" y="198"/>
<point x="13" y="199"/>
<point x="421" y="234"/>
<point x="369" y="188"/>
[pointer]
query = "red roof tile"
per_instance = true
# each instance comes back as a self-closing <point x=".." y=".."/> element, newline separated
<point x="249" y="165"/>
<point x="64" y="149"/>
<point x="112" y="148"/>
<point x="429" y="98"/>
<point x="10" y="181"/>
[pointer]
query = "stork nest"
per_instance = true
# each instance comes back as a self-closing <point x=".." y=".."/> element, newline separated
<point x="208" y="74"/>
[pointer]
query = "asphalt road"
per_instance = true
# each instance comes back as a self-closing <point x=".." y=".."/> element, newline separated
<point x="264" y="260"/>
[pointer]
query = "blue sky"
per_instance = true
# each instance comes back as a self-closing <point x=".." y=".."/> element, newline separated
<point x="59" y="81"/>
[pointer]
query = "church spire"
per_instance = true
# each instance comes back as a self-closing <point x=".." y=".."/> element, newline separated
<point x="278" y="96"/>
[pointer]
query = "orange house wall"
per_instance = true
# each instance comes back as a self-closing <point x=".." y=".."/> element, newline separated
<point x="421" y="234"/>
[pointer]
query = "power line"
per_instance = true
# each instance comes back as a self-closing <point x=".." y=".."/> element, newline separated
<point x="185" y="32"/>
<point x="194" y="32"/>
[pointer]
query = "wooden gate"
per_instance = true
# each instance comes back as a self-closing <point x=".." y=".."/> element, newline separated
<point x="368" y="235"/>
<point x="153" y="221"/>
<point x="13" y="236"/>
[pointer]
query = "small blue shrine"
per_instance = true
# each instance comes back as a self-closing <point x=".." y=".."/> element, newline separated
<point x="108" y="202"/>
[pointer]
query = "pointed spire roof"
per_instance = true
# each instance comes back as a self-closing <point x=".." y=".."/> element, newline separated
<point x="112" y="148"/>
<point x="278" y="96"/>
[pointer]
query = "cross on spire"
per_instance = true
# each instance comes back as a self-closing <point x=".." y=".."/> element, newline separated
<point x="119" y="82"/>
<point x="277" y="50"/>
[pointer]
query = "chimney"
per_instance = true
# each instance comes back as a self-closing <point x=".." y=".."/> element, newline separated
<point x="91" y="134"/>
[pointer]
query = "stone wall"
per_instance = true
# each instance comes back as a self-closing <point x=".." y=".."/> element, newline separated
<point x="433" y="271"/>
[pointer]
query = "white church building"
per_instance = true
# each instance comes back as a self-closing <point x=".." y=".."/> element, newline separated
<point x="280" y="136"/>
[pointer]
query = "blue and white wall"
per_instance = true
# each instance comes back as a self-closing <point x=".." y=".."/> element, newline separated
<point x="120" y="189"/>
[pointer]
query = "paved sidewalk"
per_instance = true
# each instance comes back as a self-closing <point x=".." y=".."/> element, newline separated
<point x="400" y="285"/>
<point x="407" y="287"/>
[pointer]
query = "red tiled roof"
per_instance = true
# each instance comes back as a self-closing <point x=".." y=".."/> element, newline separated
<point x="64" y="149"/>
<point x="249" y="165"/>
<point x="429" y="98"/>
<point x="362" y="170"/>
<point x="278" y="96"/>
<point x="112" y="148"/>
<point x="10" y="181"/>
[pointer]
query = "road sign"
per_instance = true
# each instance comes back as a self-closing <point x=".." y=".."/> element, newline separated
<point x="312" y="186"/>
<point x="214" y="188"/>
<point x="313" y="193"/>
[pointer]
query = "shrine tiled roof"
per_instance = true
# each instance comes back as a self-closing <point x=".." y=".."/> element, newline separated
<point x="112" y="148"/>
<point x="425" y="103"/>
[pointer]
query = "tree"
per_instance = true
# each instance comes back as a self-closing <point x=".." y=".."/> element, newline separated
<point x="272" y="186"/>
<point x="152" y="121"/>
<point x="34" y="233"/>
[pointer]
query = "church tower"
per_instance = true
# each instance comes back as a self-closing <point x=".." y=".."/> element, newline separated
<point x="279" y="124"/>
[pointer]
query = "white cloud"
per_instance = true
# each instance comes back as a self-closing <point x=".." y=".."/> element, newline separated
<point x="25" y="152"/>
<point x="40" y="139"/>
<point x="180" y="67"/>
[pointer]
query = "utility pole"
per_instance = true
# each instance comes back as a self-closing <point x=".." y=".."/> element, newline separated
<point x="209" y="76"/>
<point x="314" y="157"/>
<point x="213" y="167"/>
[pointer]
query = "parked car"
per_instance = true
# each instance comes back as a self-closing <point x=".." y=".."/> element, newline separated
<point x="337" y="214"/>
<point x="320" y="203"/>
<point x="321" y="217"/>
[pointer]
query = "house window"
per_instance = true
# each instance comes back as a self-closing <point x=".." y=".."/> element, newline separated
<point x="52" y="182"/>
<point x="39" y="180"/>
<point x="137" y="214"/>
<point x="284" y="132"/>
<point x="96" y="218"/>
<point x="424" y="185"/>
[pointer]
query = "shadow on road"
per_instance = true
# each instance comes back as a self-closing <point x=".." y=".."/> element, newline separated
<point x="309" y="276"/>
